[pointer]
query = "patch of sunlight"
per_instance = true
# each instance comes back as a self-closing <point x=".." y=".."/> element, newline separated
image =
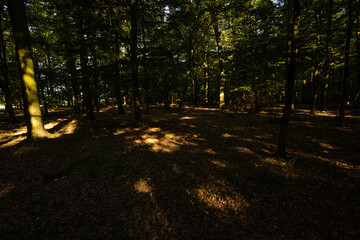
<point x="227" y="135"/>
<point x="142" y="186"/>
<point x="123" y="130"/>
<point x="106" y="109"/>
<point x="244" y="150"/>
<point x="69" y="128"/>
<point x="6" y="188"/>
<point x="210" y="151"/>
<point x="218" y="163"/>
<point x="274" y="161"/>
<point x="187" y="118"/>
<point x="221" y="201"/>
<point x="328" y="146"/>
<point x="13" y="142"/>
<point x="335" y="162"/>
<point x="167" y="143"/>
<point x="119" y="132"/>
<point x="153" y="130"/>
<point x="52" y="124"/>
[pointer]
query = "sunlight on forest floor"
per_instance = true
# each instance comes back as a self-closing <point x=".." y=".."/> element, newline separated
<point x="181" y="168"/>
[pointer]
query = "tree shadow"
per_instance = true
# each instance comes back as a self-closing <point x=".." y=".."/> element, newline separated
<point x="193" y="174"/>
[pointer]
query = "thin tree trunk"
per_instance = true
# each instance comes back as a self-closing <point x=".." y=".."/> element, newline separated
<point x="134" y="60"/>
<point x="41" y="86"/>
<point x="87" y="99"/>
<point x="146" y="73"/>
<point x="166" y="91"/>
<point x="346" y="77"/>
<point x="119" y="97"/>
<point x="317" y="75"/>
<point x="35" y="126"/>
<point x="221" y="65"/>
<point x="289" y="92"/>
<point x="206" y="73"/>
<point x="189" y="67"/>
<point x="358" y="50"/>
<point x="329" y="32"/>
<point x="5" y="75"/>
<point x="95" y="78"/>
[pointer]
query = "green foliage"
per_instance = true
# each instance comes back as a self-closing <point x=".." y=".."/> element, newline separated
<point x="177" y="49"/>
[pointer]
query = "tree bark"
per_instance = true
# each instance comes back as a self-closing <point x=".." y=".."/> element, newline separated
<point x="329" y="32"/>
<point x="289" y="92"/>
<point x="221" y="65"/>
<point x="119" y="97"/>
<point x="346" y="77"/>
<point x="35" y="126"/>
<point x="134" y="60"/>
<point x="5" y="75"/>
<point x="87" y="99"/>
<point x="358" y="49"/>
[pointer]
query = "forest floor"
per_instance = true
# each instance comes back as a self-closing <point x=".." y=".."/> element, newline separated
<point x="197" y="173"/>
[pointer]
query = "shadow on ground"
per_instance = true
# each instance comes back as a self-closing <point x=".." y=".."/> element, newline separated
<point x="190" y="174"/>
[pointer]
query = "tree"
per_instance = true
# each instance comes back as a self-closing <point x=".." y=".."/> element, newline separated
<point x="4" y="81"/>
<point x="134" y="59"/>
<point x="346" y="77"/>
<point x="34" y="123"/>
<point x="289" y="93"/>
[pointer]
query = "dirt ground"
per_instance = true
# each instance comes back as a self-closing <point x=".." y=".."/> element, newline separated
<point x="192" y="174"/>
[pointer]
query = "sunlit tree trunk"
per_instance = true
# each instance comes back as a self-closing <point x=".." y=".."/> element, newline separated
<point x="5" y="75"/>
<point x="289" y="92"/>
<point x="134" y="60"/>
<point x="35" y="127"/>
<point x="346" y="77"/>
<point x="221" y="65"/>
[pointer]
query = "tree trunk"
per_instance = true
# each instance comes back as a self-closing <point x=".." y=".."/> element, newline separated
<point x="5" y="75"/>
<point x="329" y="31"/>
<point x="189" y="67"/>
<point x="346" y="77"/>
<point x="87" y="99"/>
<point x="146" y="73"/>
<point x="134" y="60"/>
<point x="166" y="91"/>
<point x="358" y="50"/>
<point x="206" y="73"/>
<point x="289" y="92"/>
<point x="95" y="78"/>
<point x="41" y="86"/>
<point x="35" y="126"/>
<point x="221" y="65"/>
<point x="119" y="97"/>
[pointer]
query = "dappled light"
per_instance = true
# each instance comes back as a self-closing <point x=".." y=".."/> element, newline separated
<point x="214" y="199"/>
<point x="175" y="171"/>
<point x="179" y="119"/>
<point x="142" y="186"/>
<point x="5" y="189"/>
